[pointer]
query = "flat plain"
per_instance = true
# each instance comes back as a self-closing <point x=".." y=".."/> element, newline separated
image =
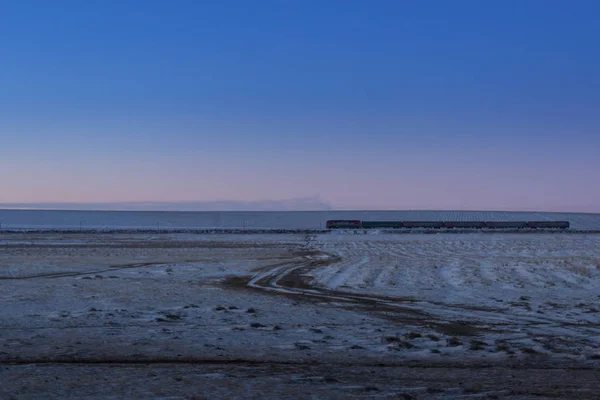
<point x="338" y="315"/>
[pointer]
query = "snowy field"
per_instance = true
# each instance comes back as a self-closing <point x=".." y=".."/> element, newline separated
<point x="41" y="219"/>
<point x="543" y="289"/>
<point x="337" y="315"/>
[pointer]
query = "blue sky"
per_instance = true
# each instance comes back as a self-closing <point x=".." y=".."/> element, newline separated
<point x="380" y="105"/>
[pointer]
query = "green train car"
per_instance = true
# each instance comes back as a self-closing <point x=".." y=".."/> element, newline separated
<point x="356" y="224"/>
<point x="382" y="224"/>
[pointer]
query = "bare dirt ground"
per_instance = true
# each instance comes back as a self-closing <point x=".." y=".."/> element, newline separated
<point x="296" y="316"/>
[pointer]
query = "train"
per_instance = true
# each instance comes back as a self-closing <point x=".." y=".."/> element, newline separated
<point x="357" y="224"/>
<point x="343" y="224"/>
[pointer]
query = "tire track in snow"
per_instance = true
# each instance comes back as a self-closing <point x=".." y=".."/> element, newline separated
<point x="461" y="268"/>
<point x="66" y="274"/>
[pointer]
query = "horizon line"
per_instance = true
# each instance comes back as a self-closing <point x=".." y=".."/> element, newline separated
<point x="37" y="207"/>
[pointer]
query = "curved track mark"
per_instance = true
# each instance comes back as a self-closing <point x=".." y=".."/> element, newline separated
<point x="73" y="273"/>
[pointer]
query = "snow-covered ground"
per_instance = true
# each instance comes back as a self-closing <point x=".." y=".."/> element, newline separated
<point x="327" y="313"/>
<point x="542" y="291"/>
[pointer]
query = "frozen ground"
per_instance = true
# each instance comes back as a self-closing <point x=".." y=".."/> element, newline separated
<point x="538" y="293"/>
<point x="293" y="316"/>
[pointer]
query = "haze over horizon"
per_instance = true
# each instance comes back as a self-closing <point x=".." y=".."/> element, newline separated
<point x="389" y="105"/>
<point x="299" y="204"/>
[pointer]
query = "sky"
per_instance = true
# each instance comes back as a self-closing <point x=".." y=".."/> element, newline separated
<point x="462" y="105"/>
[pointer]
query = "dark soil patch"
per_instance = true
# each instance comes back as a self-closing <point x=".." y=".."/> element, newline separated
<point x="457" y="329"/>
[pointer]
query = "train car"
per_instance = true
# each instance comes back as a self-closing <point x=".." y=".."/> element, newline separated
<point x="548" y="224"/>
<point x="464" y="224"/>
<point x="505" y="224"/>
<point x="343" y="224"/>
<point x="382" y="224"/>
<point x="356" y="224"/>
<point x="562" y="224"/>
<point x="423" y="224"/>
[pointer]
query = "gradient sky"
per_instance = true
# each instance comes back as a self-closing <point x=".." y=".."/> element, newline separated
<point x="368" y="104"/>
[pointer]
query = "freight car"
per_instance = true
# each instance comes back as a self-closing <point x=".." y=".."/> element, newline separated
<point x="464" y="224"/>
<point x="423" y="224"/>
<point x="548" y="224"/>
<point x="505" y="224"/>
<point x="382" y="224"/>
<point x="343" y="224"/>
